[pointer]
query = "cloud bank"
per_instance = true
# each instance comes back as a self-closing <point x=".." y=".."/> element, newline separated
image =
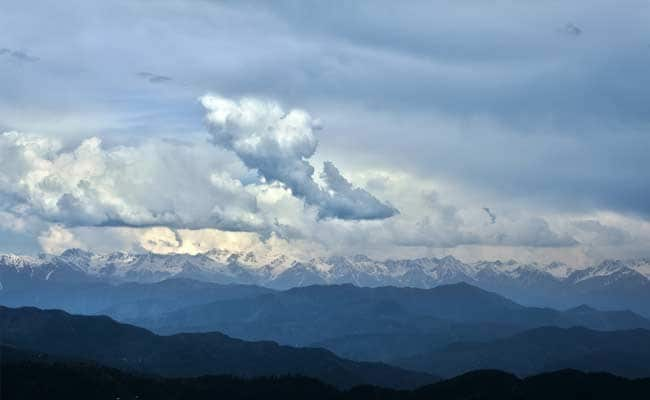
<point x="183" y="185"/>
<point x="255" y="178"/>
<point x="540" y="110"/>
<point x="156" y="183"/>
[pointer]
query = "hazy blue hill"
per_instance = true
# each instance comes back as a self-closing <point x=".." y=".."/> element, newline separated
<point x="625" y="353"/>
<point x="103" y="340"/>
<point x="387" y="347"/>
<point x="124" y="301"/>
<point x="334" y="314"/>
<point x="362" y="324"/>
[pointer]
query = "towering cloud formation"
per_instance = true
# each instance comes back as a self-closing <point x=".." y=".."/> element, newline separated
<point x="278" y="145"/>
<point x="184" y="185"/>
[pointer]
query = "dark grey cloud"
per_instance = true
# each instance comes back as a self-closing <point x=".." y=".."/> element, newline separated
<point x="493" y="217"/>
<point x="571" y="29"/>
<point x="153" y="78"/>
<point x="18" y="55"/>
<point x="345" y="201"/>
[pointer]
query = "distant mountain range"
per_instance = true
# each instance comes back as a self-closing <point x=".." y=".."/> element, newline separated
<point x="364" y="324"/>
<point x="124" y="301"/>
<point x="612" y="284"/>
<point x="341" y="334"/>
<point x="100" y="339"/>
<point x="380" y="324"/>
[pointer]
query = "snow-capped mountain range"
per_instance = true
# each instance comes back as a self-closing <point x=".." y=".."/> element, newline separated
<point x="609" y="284"/>
<point x="225" y="267"/>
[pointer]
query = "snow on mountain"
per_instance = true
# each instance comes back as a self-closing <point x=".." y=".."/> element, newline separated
<point x="282" y="272"/>
<point x="612" y="284"/>
<point x="19" y="262"/>
<point x="641" y="266"/>
<point x="608" y="268"/>
<point x="558" y="269"/>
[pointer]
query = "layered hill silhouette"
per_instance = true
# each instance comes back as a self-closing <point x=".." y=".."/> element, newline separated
<point x="367" y="323"/>
<point x="73" y="380"/>
<point x="624" y="353"/>
<point x="128" y="300"/>
<point x="363" y="324"/>
<point x="100" y="339"/>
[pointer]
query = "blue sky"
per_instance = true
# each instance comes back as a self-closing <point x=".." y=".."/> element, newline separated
<point x="426" y="113"/>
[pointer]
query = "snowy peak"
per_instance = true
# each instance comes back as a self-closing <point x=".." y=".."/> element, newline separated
<point x="558" y="269"/>
<point x="610" y="269"/>
<point x="283" y="272"/>
<point x="641" y="266"/>
<point x="79" y="254"/>
<point x="18" y="262"/>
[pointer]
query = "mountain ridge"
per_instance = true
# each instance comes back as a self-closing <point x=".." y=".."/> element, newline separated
<point x="611" y="284"/>
<point x="103" y="340"/>
<point x="621" y="352"/>
<point x="321" y="314"/>
<point x="120" y="266"/>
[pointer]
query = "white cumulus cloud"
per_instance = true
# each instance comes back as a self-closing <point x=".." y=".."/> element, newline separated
<point x="155" y="183"/>
<point x="278" y="145"/>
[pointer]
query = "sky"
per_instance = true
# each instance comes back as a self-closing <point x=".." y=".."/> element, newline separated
<point x="484" y="130"/>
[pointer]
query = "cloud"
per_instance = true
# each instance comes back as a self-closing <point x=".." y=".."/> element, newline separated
<point x="347" y="202"/>
<point x="431" y="231"/>
<point x="18" y="55"/>
<point x="501" y="109"/>
<point x="153" y="184"/>
<point x="493" y="217"/>
<point x="168" y="196"/>
<point x="186" y="186"/>
<point x="498" y="78"/>
<point x="571" y="29"/>
<point x="153" y="78"/>
<point x="278" y="145"/>
<point x="58" y="239"/>
<point x="528" y="231"/>
<point x="602" y="235"/>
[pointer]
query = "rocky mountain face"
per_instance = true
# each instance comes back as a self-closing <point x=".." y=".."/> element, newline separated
<point x="612" y="284"/>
